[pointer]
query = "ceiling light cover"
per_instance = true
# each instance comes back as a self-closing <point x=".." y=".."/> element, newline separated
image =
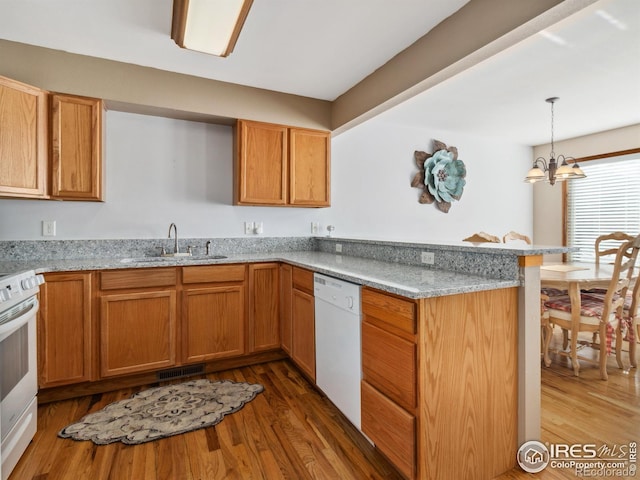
<point x="208" y="26"/>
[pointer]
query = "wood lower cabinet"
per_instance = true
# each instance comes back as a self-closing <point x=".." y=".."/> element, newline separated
<point x="76" y="147"/>
<point x="286" y="314"/>
<point x="281" y="166"/>
<point x="440" y="378"/>
<point x="303" y="334"/>
<point x="213" y="318"/>
<point x="23" y="140"/>
<point x="264" y="293"/>
<point x="389" y="379"/>
<point x="137" y="328"/>
<point x="65" y="330"/>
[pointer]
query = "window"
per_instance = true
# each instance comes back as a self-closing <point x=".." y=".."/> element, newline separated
<point x="608" y="200"/>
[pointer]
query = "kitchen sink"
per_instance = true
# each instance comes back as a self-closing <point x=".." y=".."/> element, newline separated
<point x="172" y="259"/>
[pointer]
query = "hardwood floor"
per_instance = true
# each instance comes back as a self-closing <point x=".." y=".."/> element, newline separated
<point x="290" y="431"/>
<point x="586" y="409"/>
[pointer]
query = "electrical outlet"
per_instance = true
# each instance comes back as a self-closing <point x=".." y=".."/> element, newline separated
<point x="258" y="228"/>
<point x="338" y="248"/>
<point x="248" y="228"/>
<point x="315" y="228"/>
<point x="48" y="228"/>
<point x="428" y="258"/>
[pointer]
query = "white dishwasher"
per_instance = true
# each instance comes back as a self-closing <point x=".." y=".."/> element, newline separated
<point x="338" y="359"/>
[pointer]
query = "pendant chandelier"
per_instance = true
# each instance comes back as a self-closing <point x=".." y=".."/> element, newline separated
<point x="554" y="172"/>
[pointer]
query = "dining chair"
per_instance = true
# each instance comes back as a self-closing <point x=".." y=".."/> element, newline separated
<point x="546" y="330"/>
<point x="631" y="313"/>
<point x="600" y="313"/>
<point x="602" y="251"/>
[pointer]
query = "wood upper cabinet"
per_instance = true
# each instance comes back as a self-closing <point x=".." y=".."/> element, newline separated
<point x="213" y="312"/>
<point x="23" y="140"/>
<point x="137" y="328"/>
<point x="309" y="167"/>
<point x="76" y="147"/>
<point x="281" y="166"/>
<point x="264" y="292"/>
<point x="261" y="165"/>
<point x="303" y="328"/>
<point x="65" y="330"/>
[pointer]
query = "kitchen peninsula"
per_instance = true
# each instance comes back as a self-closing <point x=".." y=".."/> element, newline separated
<point x="470" y="323"/>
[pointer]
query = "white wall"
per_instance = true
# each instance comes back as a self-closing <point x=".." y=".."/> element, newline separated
<point x="158" y="171"/>
<point x="373" y="165"/>
<point x="161" y="170"/>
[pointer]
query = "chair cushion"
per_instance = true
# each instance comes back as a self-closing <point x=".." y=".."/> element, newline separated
<point x="553" y="292"/>
<point x="591" y="306"/>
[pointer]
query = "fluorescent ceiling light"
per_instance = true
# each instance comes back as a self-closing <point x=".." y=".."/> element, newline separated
<point x="209" y="26"/>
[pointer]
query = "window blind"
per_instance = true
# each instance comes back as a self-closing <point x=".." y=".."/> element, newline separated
<point x="608" y="200"/>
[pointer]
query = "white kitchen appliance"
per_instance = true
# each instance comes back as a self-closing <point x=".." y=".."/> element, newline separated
<point x="18" y="378"/>
<point x="338" y="358"/>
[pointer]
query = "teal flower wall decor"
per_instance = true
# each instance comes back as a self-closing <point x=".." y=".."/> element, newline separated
<point x="441" y="176"/>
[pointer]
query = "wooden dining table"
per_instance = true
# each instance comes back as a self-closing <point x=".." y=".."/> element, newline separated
<point x="573" y="277"/>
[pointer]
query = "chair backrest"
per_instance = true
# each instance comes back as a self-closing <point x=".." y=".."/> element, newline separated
<point x="601" y="251"/>
<point x="516" y="236"/>
<point x="623" y="272"/>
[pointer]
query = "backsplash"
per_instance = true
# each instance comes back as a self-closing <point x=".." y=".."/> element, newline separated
<point x="18" y="250"/>
<point x="502" y="264"/>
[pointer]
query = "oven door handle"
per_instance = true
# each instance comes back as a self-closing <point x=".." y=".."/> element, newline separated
<point x="14" y="324"/>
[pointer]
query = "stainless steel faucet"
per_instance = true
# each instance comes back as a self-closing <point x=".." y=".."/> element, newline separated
<point x="175" y="230"/>
<point x="208" y="246"/>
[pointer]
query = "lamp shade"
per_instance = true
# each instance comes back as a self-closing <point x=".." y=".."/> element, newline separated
<point x="209" y="26"/>
<point x="535" y="175"/>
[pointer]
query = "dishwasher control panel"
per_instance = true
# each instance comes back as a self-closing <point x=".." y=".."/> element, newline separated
<point x="339" y="293"/>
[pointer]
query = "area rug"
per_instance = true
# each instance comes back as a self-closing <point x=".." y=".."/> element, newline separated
<point x="163" y="411"/>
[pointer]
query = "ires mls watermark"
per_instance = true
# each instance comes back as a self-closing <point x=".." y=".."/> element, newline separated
<point x="585" y="459"/>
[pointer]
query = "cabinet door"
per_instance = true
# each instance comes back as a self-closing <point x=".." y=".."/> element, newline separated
<point x="23" y="140"/>
<point x="213" y="323"/>
<point x="64" y="330"/>
<point x="304" y="335"/>
<point x="261" y="168"/>
<point x="285" y="307"/>
<point x="137" y="332"/>
<point x="76" y="147"/>
<point x="264" y="291"/>
<point x="309" y="171"/>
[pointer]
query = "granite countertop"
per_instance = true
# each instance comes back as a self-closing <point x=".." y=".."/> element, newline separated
<point x="406" y="280"/>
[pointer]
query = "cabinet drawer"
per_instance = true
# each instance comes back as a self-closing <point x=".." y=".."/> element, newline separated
<point x="390" y="312"/>
<point x="213" y="273"/>
<point x="392" y="429"/>
<point x="389" y="364"/>
<point x="303" y="280"/>
<point x="137" y="278"/>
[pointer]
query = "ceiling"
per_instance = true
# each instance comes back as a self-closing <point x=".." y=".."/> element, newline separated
<point x="313" y="48"/>
<point x="321" y="48"/>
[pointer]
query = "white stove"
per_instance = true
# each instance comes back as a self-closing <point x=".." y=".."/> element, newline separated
<point x="18" y="378"/>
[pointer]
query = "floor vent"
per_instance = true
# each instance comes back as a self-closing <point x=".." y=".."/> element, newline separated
<point x="181" y="372"/>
